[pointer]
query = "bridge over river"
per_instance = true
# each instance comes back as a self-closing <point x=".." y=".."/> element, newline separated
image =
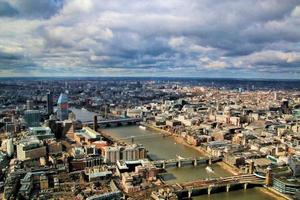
<point x="180" y="161"/>
<point x="112" y="122"/>
<point x="209" y="186"/>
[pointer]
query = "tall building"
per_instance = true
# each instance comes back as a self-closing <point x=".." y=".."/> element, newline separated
<point x="285" y="106"/>
<point x="32" y="118"/>
<point x="29" y="105"/>
<point x="62" y="107"/>
<point x="49" y="103"/>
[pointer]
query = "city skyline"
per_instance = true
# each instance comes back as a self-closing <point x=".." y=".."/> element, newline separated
<point x="170" y="38"/>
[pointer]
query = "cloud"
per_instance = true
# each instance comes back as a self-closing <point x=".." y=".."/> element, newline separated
<point x="171" y="37"/>
<point x="36" y="9"/>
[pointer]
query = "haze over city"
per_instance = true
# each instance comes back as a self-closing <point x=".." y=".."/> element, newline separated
<point x="206" y="38"/>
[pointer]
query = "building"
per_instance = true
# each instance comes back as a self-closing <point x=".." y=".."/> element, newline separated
<point x="294" y="163"/>
<point x="41" y="132"/>
<point x="44" y="183"/>
<point x="86" y="135"/>
<point x="112" y="154"/>
<point x="26" y="185"/>
<point x="49" y="103"/>
<point x="54" y="147"/>
<point x="133" y="152"/>
<point x="32" y="118"/>
<point x="99" y="176"/>
<point x="117" y="195"/>
<point x="62" y="107"/>
<point x="286" y="185"/>
<point x="29" y="105"/>
<point x="81" y="160"/>
<point x="30" y="148"/>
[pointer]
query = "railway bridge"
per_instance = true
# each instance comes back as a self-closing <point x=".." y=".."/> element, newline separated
<point x="198" y="187"/>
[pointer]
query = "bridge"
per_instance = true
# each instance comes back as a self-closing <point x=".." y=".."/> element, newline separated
<point x="209" y="186"/>
<point x="180" y="161"/>
<point x="112" y="122"/>
<point x="134" y="138"/>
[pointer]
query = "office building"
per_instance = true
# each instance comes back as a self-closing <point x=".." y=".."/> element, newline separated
<point x="49" y="103"/>
<point x="32" y="118"/>
<point x="29" y="105"/>
<point x="62" y="107"/>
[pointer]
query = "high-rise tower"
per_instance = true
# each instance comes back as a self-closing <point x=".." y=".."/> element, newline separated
<point x="62" y="107"/>
<point x="49" y="103"/>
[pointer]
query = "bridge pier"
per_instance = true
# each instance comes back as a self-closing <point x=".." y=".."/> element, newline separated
<point x="190" y="193"/>
<point x="164" y="165"/>
<point x="209" y="160"/>
<point x="209" y="190"/>
<point x="245" y="186"/>
<point x="179" y="163"/>
<point x="227" y="187"/>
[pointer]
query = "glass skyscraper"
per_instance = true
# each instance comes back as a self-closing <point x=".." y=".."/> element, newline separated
<point x="62" y="107"/>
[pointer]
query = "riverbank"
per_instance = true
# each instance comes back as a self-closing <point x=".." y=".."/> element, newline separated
<point x="232" y="170"/>
<point x="178" y="139"/>
<point x="167" y="148"/>
<point x="274" y="194"/>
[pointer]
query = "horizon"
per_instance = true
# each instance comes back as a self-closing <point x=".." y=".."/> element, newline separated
<point x="151" y="77"/>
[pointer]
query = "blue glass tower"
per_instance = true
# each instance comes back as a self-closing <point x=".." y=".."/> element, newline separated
<point x="62" y="107"/>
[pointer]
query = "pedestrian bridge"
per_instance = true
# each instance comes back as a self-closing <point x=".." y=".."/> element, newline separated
<point x="114" y="122"/>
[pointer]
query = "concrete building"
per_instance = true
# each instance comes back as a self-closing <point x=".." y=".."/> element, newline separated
<point x="133" y="152"/>
<point x="86" y="135"/>
<point x="111" y="154"/>
<point x="130" y="152"/>
<point x="30" y="148"/>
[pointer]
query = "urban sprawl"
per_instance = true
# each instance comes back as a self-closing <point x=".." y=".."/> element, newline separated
<point x="48" y="151"/>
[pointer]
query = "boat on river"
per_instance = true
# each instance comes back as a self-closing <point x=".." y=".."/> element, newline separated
<point x="142" y="127"/>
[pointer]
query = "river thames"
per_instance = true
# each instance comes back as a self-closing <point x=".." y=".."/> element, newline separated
<point x="160" y="147"/>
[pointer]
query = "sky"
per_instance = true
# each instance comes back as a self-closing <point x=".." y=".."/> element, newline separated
<point x="176" y="38"/>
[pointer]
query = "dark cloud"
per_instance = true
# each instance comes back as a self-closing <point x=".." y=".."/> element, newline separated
<point x="170" y="37"/>
<point x="6" y="10"/>
<point x="30" y="8"/>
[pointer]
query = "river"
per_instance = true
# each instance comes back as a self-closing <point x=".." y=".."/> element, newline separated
<point x="160" y="147"/>
<point x="166" y="148"/>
